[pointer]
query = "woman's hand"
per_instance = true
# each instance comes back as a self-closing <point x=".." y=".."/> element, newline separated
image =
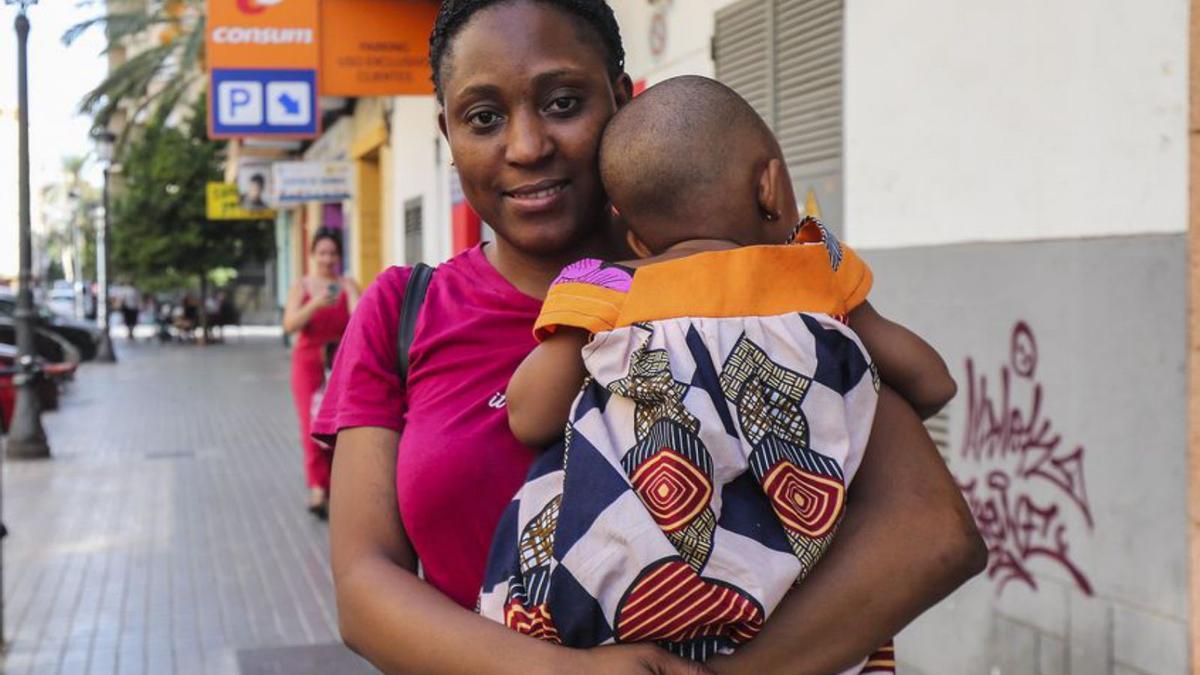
<point x="320" y="301"/>
<point x="903" y="502"/>
<point x="631" y="659"/>
<point x="297" y="314"/>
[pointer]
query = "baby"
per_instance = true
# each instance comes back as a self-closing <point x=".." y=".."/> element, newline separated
<point x="716" y="401"/>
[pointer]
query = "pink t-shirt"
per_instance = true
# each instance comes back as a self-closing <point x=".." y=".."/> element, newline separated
<point x="458" y="464"/>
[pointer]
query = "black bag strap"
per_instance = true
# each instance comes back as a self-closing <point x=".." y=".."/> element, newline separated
<point x="410" y="307"/>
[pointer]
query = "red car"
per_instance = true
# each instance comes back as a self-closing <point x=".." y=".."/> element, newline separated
<point x="8" y="394"/>
<point x="56" y="373"/>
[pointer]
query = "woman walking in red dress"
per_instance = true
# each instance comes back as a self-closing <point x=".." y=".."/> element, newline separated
<point x="318" y="308"/>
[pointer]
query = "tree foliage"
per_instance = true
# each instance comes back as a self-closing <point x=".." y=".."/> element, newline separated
<point x="160" y="236"/>
<point x="157" y="78"/>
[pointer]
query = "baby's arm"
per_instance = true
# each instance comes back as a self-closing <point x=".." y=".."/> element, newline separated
<point x="906" y="362"/>
<point x="545" y="385"/>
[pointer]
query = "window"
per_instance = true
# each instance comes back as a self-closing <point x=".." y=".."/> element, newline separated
<point x="413" y="231"/>
<point x="785" y="58"/>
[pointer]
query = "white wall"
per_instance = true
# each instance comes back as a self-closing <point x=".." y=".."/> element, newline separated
<point x="418" y="170"/>
<point x="689" y="32"/>
<point x="1014" y="119"/>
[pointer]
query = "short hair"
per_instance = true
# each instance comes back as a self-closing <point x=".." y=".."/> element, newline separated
<point x="596" y="14"/>
<point x="682" y="152"/>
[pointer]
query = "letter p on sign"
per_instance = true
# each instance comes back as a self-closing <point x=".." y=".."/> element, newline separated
<point x="240" y="103"/>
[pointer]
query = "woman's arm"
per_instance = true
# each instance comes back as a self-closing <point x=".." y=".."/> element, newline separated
<point x="906" y="542"/>
<point x="352" y="292"/>
<point x="401" y="624"/>
<point x="297" y="315"/>
<point x="542" y="390"/>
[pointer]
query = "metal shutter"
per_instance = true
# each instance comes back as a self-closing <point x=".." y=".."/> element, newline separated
<point x="785" y="57"/>
<point x="742" y="51"/>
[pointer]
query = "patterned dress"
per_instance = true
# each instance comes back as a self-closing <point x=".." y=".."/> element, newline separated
<point x="705" y="465"/>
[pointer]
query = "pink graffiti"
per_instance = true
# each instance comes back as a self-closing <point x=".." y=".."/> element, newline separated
<point x="1015" y="455"/>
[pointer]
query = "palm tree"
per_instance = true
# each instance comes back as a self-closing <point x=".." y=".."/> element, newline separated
<point x="154" y="79"/>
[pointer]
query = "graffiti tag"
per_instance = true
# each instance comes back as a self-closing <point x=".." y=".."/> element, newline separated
<point x="1024" y="479"/>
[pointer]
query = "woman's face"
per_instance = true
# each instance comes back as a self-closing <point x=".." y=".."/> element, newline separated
<point x="526" y="96"/>
<point x="325" y="257"/>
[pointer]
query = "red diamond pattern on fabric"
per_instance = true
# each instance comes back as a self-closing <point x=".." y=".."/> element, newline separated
<point x="532" y="621"/>
<point x="673" y="489"/>
<point x="807" y="503"/>
<point x="671" y="602"/>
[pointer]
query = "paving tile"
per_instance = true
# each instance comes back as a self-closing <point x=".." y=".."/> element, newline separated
<point x="167" y="534"/>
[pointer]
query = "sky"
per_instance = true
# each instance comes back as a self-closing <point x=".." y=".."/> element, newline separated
<point x="58" y="78"/>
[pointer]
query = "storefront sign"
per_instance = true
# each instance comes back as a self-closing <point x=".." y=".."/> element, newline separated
<point x="297" y="182"/>
<point x="376" y="47"/>
<point x="226" y="202"/>
<point x="263" y="57"/>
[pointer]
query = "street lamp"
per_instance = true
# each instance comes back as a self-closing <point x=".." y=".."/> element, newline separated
<point x="104" y="152"/>
<point x="26" y="437"/>
<point x="76" y="201"/>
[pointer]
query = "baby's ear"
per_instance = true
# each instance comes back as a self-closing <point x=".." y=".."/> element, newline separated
<point x="776" y="198"/>
<point x="770" y="188"/>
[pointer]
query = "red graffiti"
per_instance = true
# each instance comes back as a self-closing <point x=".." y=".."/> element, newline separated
<point x="1023" y="479"/>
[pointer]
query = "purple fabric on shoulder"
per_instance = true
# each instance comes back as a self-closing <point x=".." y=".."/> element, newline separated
<point x="597" y="273"/>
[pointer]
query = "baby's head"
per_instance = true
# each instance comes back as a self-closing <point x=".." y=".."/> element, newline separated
<point x="690" y="159"/>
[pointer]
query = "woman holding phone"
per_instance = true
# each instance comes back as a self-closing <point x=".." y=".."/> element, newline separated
<point x="318" y="308"/>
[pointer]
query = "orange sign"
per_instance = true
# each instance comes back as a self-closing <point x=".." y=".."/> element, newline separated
<point x="263" y="34"/>
<point x="376" y="47"/>
<point x="262" y="58"/>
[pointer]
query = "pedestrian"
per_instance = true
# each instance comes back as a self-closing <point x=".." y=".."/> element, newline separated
<point x="186" y="316"/>
<point x="131" y="307"/>
<point x="525" y="89"/>
<point x="318" y="308"/>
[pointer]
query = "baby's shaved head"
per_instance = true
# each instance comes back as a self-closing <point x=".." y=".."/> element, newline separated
<point x="681" y="161"/>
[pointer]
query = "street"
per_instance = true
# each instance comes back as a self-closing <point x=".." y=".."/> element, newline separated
<point x="168" y="532"/>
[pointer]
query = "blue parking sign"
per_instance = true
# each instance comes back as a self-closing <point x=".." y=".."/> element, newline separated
<point x="263" y="103"/>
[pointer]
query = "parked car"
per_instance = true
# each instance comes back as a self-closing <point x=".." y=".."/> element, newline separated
<point x="83" y="335"/>
<point x="8" y="393"/>
<point x="50" y="346"/>
<point x="47" y="388"/>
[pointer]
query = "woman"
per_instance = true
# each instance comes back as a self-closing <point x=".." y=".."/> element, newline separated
<point x="318" y="307"/>
<point x="526" y="87"/>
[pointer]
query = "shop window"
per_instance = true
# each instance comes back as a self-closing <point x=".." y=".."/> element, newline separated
<point x="785" y="58"/>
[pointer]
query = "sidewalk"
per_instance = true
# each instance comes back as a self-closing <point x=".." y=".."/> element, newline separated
<point x="168" y="533"/>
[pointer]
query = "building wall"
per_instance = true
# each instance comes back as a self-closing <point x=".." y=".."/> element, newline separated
<point x="1019" y="124"/>
<point x="418" y="169"/>
<point x="988" y="121"/>
<point x="1017" y="175"/>
<point x="1193" y="346"/>
<point x="374" y="183"/>
<point x="1002" y="121"/>
<point x="333" y="145"/>
<point x="686" y="39"/>
<point x="1077" y="469"/>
